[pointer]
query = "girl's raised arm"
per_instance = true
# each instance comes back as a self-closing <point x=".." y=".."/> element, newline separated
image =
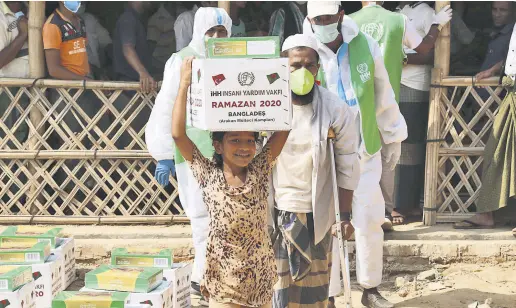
<point x="183" y="143"/>
<point x="276" y="143"/>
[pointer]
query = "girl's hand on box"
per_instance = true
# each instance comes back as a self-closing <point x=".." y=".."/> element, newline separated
<point x="186" y="71"/>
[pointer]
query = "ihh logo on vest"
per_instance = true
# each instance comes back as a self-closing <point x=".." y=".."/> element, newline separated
<point x="375" y="30"/>
<point x="365" y="74"/>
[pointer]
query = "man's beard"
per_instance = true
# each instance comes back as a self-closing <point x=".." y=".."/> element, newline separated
<point x="304" y="99"/>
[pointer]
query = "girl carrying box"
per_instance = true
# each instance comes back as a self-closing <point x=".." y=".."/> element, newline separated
<point x="240" y="264"/>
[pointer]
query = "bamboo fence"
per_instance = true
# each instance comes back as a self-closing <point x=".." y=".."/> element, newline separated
<point x="78" y="166"/>
<point x="461" y="115"/>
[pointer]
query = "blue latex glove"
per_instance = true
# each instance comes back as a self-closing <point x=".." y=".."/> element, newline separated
<point x="163" y="169"/>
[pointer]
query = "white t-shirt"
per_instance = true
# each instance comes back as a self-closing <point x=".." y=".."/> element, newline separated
<point x="293" y="179"/>
<point x="510" y="64"/>
<point x="420" y="16"/>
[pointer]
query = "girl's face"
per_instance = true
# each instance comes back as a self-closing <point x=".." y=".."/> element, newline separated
<point x="237" y="148"/>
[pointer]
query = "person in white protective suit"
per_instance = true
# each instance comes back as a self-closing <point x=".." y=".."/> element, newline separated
<point x="352" y="66"/>
<point x="209" y="22"/>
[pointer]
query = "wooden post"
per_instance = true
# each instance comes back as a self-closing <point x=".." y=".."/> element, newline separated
<point x="441" y="70"/>
<point x="225" y="5"/>
<point x="36" y="70"/>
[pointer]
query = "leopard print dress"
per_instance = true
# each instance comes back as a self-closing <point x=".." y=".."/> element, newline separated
<point x="240" y="264"/>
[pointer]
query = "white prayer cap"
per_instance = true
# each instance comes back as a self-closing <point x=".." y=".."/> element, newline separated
<point x="319" y="8"/>
<point x="300" y="40"/>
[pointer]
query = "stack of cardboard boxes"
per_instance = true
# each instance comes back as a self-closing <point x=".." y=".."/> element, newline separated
<point x="35" y="264"/>
<point x="135" y="278"/>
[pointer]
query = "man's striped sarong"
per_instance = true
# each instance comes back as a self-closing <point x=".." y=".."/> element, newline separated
<point x="303" y="267"/>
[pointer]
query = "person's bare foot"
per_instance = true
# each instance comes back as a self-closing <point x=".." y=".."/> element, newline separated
<point x="514" y="232"/>
<point x="479" y="221"/>
<point x="397" y="218"/>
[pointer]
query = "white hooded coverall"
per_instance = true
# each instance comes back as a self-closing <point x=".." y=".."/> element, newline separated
<point x="368" y="202"/>
<point x="158" y="134"/>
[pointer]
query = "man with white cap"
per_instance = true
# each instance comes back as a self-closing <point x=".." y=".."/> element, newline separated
<point x="353" y="67"/>
<point x="209" y="22"/>
<point x="302" y="190"/>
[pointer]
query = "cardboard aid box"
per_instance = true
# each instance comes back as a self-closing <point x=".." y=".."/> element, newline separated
<point x="99" y="299"/>
<point x="161" y="297"/>
<point x="65" y="251"/>
<point x="47" y="281"/>
<point x="21" y="298"/>
<point x="240" y="94"/>
<point x="180" y="276"/>
<point x="14" y="276"/>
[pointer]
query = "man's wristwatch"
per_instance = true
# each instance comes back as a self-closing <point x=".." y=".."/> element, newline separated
<point x="345" y="216"/>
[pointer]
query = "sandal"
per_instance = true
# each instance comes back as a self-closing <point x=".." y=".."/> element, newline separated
<point x="468" y="225"/>
<point x="397" y="218"/>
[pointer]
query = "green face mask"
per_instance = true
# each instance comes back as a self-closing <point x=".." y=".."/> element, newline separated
<point x="301" y="81"/>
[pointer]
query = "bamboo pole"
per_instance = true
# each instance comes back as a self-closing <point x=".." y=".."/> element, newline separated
<point x="36" y="70"/>
<point x="226" y="5"/>
<point x="442" y="46"/>
<point x="74" y="154"/>
<point x="441" y="70"/>
<point x="89" y="220"/>
<point x="463" y="81"/>
<point x="75" y="84"/>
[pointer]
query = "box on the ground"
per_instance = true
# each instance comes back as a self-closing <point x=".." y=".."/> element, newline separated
<point x="160" y="297"/>
<point x="126" y="279"/>
<point x="180" y="276"/>
<point x="90" y="300"/>
<point x="21" y="298"/>
<point x="47" y="281"/>
<point x="22" y="254"/>
<point x="30" y="235"/>
<point x="244" y="47"/>
<point x="240" y="94"/>
<point x="147" y="257"/>
<point x="65" y="251"/>
<point x="14" y="276"/>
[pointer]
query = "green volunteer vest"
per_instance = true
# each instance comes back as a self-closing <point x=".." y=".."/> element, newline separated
<point x="199" y="137"/>
<point x="362" y="67"/>
<point x="388" y="29"/>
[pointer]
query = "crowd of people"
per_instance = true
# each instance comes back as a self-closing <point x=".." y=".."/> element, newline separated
<point x="365" y="75"/>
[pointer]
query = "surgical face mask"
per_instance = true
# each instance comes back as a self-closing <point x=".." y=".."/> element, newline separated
<point x="326" y="34"/>
<point x="72" y="6"/>
<point x="301" y="81"/>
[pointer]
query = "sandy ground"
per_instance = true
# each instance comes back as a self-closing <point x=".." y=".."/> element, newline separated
<point x="462" y="285"/>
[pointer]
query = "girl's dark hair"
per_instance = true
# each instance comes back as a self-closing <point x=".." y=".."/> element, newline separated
<point x="219" y="136"/>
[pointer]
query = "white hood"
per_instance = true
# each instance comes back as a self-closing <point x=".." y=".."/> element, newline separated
<point x="349" y="29"/>
<point x="206" y="18"/>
